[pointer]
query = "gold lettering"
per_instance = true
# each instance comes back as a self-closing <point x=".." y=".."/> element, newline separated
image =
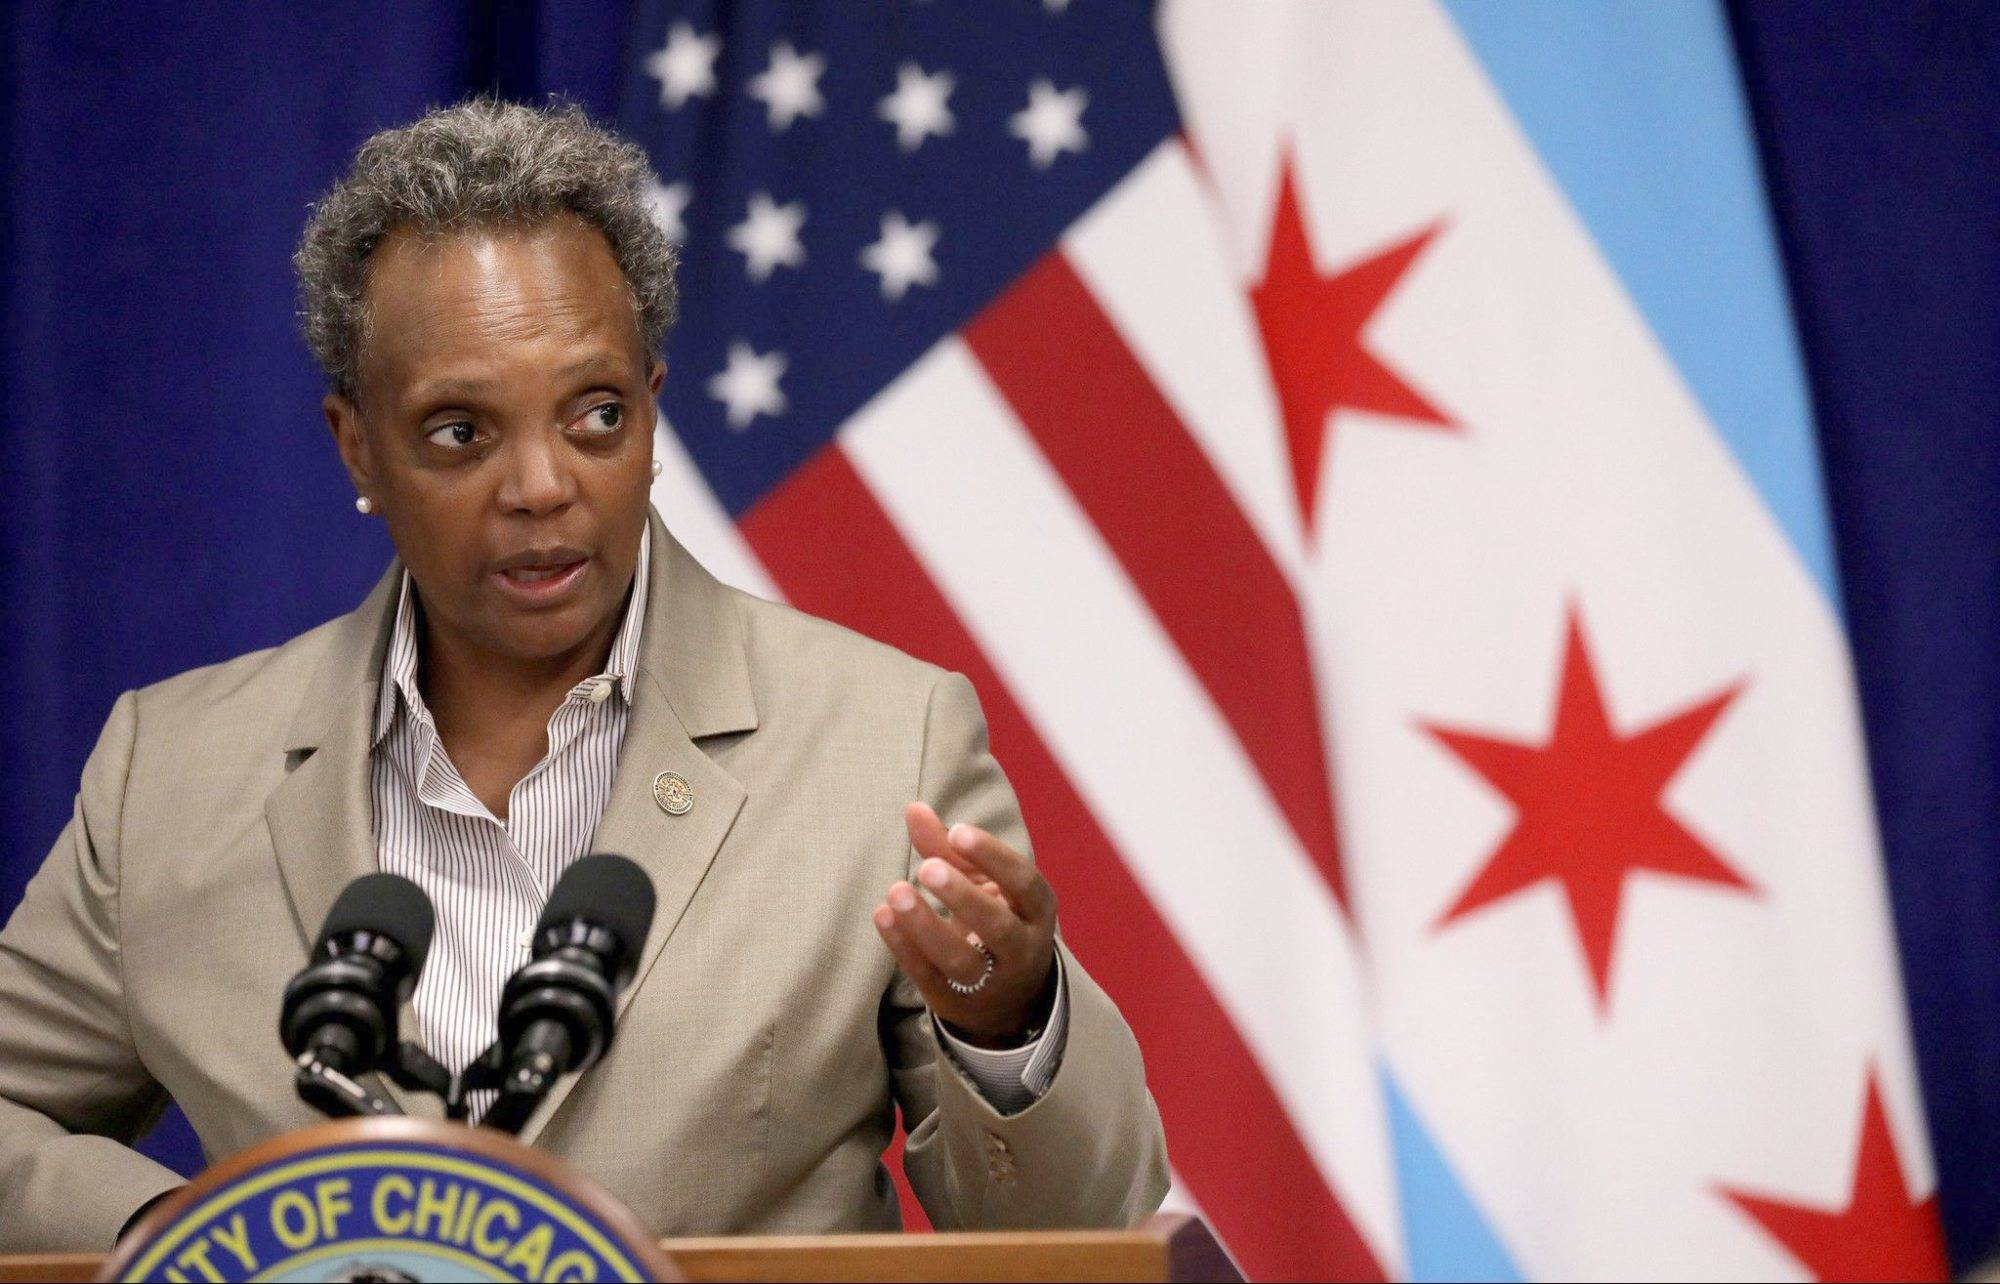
<point x="483" y="1242"/>
<point x="196" y="1255"/>
<point x="434" y="1207"/>
<point x="236" y="1238"/>
<point x="465" y="1214"/>
<point x="378" y="1205"/>
<point x="174" y="1276"/>
<point x="531" y="1253"/>
<point x="332" y="1193"/>
<point x="307" y="1230"/>
<point x="573" y="1267"/>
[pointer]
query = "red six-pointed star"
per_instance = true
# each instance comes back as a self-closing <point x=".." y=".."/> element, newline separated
<point x="1312" y="327"/>
<point x="1589" y="806"/>
<point x="1884" y="1232"/>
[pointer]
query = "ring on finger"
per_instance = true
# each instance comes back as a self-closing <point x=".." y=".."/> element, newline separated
<point x="960" y="987"/>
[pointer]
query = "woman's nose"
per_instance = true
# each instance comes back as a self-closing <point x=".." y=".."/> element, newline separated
<point x="537" y="478"/>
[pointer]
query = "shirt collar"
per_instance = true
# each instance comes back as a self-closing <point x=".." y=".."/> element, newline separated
<point x="399" y="666"/>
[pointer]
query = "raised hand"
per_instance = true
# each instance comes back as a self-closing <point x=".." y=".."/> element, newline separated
<point x="996" y="900"/>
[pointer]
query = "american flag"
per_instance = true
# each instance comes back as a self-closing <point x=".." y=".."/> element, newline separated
<point x="1024" y="336"/>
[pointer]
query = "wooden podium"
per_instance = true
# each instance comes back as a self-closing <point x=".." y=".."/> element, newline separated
<point x="1170" y="1247"/>
<point x="407" y="1198"/>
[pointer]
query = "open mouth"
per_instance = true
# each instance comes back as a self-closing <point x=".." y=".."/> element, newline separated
<point x="539" y="574"/>
<point x="545" y="581"/>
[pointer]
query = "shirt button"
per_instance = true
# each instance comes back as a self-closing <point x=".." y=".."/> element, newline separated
<point x="600" y="690"/>
<point x="527" y="940"/>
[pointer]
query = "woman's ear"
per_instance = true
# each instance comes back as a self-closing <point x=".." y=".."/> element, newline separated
<point x="344" y="419"/>
<point x="656" y="375"/>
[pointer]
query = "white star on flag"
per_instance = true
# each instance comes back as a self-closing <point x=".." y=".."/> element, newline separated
<point x="1051" y="123"/>
<point x="917" y="109"/>
<point x="684" y="66"/>
<point x="666" y="202"/>
<point x="748" y="385"/>
<point x="902" y="255"/>
<point x="789" y="87"/>
<point x="768" y="236"/>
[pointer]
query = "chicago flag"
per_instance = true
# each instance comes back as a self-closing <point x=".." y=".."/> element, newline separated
<point x="1360" y="454"/>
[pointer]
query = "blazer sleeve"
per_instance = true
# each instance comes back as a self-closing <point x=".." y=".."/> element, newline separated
<point x="72" y="1087"/>
<point x="1090" y="1152"/>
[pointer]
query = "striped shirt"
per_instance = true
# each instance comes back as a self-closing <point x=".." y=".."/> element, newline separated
<point x="488" y="878"/>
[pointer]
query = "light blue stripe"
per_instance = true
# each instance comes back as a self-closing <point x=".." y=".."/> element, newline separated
<point x="1638" y="111"/>
<point x="1444" y="1233"/>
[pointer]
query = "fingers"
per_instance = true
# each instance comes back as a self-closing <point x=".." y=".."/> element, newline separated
<point x="990" y="892"/>
<point x="912" y="960"/>
<point x="972" y="908"/>
<point x="927" y="835"/>
<point x="942" y="944"/>
<point x="984" y="859"/>
<point x="1013" y="873"/>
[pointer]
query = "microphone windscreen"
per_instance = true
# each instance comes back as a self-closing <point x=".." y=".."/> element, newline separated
<point x="386" y="903"/>
<point x="606" y="891"/>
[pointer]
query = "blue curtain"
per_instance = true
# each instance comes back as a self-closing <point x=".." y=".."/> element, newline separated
<point x="172" y="499"/>
<point x="1880" y="127"/>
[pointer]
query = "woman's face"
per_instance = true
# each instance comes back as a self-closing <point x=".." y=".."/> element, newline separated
<point x="503" y="428"/>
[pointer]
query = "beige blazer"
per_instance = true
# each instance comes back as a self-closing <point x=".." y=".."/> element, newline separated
<point x="760" y="1052"/>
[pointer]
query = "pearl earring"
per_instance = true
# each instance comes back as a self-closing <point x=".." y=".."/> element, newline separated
<point x="363" y="504"/>
<point x="658" y="468"/>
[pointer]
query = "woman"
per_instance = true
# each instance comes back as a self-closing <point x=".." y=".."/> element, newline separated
<point x="544" y="672"/>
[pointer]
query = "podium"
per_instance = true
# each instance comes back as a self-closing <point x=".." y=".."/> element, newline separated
<point x="1169" y="1247"/>
<point x="411" y="1199"/>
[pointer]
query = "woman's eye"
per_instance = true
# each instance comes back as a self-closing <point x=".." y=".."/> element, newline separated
<point x="453" y="435"/>
<point x="608" y="417"/>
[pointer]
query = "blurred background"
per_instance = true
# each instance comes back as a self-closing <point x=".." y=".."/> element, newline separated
<point x="1476" y="526"/>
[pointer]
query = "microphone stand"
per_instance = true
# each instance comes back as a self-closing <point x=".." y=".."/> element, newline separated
<point x="335" y="1095"/>
<point x="339" y="1096"/>
<point x="522" y="1082"/>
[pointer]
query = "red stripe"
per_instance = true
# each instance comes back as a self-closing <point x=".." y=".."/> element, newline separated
<point x="834" y="552"/>
<point x="1063" y="366"/>
<point x="915" y="1219"/>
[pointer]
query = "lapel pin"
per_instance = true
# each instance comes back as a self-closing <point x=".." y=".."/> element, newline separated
<point x="673" y="793"/>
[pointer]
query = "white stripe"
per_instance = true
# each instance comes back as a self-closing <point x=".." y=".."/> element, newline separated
<point x="1203" y="348"/>
<point x="697" y="519"/>
<point x="1030" y="578"/>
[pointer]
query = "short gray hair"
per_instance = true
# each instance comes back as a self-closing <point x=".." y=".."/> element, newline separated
<point x="480" y="164"/>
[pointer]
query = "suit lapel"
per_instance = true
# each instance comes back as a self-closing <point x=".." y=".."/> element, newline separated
<point x="319" y="816"/>
<point x="693" y="682"/>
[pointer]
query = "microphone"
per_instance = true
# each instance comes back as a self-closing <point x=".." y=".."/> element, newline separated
<point x="556" y="1012"/>
<point x="339" y="1015"/>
